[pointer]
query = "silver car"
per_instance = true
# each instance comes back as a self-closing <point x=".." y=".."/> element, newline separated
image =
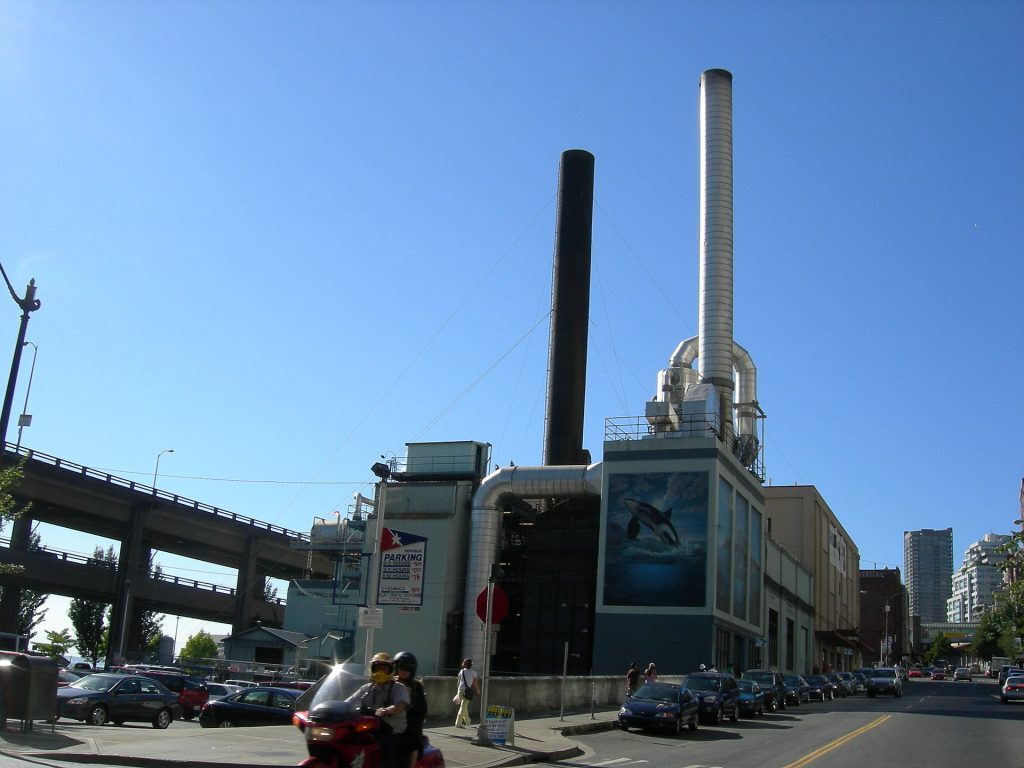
<point x="962" y="673"/>
<point x="1012" y="690"/>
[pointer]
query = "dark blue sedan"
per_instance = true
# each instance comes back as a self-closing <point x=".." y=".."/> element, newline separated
<point x="250" y="706"/>
<point x="660" y="705"/>
<point x="751" y="698"/>
<point x="718" y="693"/>
<point x="96" y="699"/>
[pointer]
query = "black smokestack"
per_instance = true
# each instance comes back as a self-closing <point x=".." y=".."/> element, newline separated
<point x="570" y="311"/>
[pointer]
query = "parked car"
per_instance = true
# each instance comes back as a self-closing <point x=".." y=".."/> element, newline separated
<point x="849" y="681"/>
<point x="95" y="699"/>
<point x="192" y="692"/>
<point x="67" y="676"/>
<point x="718" y="693"/>
<point x="820" y="688"/>
<point x="840" y="684"/>
<point x="915" y="672"/>
<point x="885" y="680"/>
<point x="751" y="698"/>
<point x="658" y="705"/>
<point x="772" y="684"/>
<point x="242" y="683"/>
<point x="251" y="706"/>
<point x="938" y="673"/>
<point x="1012" y="689"/>
<point x="963" y="673"/>
<point x="862" y="680"/>
<point x="220" y="690"/>
<point x="797" y="690"/>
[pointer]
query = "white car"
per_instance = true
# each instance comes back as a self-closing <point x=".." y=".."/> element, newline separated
<point x="962" y="673"/>
<point x="220" y="690"/>
<point x="1012" y="690"/>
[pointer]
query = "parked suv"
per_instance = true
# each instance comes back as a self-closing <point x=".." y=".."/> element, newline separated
<point x="192" y="693"/>
<point x="719" y="695"/>
<point x="773" y="685"/>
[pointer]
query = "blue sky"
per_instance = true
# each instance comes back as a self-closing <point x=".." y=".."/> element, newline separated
<point x="286" y="238"/>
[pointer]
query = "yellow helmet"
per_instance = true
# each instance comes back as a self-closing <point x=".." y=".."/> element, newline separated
<point x="382" y="668"/>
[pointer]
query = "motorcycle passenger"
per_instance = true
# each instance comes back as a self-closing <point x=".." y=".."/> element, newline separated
<point x="388" y="699"/>
<point x="416" y="712"/>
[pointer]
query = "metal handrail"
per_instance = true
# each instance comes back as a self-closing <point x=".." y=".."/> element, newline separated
<point x="147" y="490"/>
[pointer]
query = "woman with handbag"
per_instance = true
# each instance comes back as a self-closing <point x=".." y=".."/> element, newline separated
<point x="468" y="687"/>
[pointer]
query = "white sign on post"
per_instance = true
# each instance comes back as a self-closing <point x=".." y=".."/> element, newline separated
<point x="371" y="618"/>
<point x="402" y="563"/>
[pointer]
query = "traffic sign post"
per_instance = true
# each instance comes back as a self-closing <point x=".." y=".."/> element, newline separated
<point x="491" y="608"/>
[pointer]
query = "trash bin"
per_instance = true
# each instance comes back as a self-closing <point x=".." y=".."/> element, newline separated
<point x="28" y="688"/>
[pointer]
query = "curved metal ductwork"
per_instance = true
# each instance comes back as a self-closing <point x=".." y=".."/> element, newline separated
<point x="494" y="493"/>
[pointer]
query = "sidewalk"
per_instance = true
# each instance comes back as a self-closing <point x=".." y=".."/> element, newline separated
<point x="182" y="746"/>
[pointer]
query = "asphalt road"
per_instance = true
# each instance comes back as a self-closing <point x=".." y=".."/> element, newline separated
<point x="934" y="724"/>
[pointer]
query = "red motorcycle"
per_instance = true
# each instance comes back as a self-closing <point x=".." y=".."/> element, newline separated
<point x="338" y="733"/>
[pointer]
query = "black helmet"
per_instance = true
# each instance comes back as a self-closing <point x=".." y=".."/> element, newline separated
<point x="405" y="660"/>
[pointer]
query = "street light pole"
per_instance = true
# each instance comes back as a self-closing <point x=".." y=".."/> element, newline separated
<point x="25" y="420"/>
<point x="886" y="638"/>
<point x="157" y="468"/>
<point x="28" y="304"/>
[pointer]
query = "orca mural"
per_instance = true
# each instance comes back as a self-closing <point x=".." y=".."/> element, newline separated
<point x="656" y="539"/>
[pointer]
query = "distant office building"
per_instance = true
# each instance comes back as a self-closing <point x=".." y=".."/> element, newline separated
<point x="928" y="569"/>
<point x="977" y="580"/>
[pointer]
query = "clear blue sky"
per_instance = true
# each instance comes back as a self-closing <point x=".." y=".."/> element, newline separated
<point x="286" y="238"/>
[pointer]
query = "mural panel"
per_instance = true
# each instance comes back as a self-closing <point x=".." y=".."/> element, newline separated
<point x="656" y="537"/>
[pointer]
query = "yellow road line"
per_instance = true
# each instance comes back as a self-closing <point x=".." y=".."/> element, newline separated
<point x="806" y="759"/>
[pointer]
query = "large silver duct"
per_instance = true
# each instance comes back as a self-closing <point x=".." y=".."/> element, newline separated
<point x="715" y="319"/>
<point x="494" y="492"/>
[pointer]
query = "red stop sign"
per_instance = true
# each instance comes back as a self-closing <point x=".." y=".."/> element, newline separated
<point x="499" y="605"/>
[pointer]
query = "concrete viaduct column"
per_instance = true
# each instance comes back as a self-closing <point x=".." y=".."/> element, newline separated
<point x="21" y="534"/>
<point x="245" y="588"/>
<point x="132" y="565"/>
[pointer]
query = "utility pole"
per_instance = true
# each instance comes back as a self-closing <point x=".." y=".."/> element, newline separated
<point x="28" y="304"/>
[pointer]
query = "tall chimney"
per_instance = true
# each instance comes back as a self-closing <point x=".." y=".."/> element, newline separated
<point x="715" y="319"/>
<point x="570" y="311"/>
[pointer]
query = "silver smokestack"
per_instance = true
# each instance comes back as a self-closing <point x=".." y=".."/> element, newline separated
<point x="715" y="318"/>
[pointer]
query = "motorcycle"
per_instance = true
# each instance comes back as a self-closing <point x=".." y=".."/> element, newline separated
<point x="340" y="734"/>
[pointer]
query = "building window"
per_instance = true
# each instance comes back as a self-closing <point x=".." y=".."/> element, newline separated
<point x="742" y="557"/>
<point x="790" y="645"/>
<point x="756" y="562"/>
<point x="721" y="660"/>
<point x="773" y="638"/>
<point x="723" y="584"/>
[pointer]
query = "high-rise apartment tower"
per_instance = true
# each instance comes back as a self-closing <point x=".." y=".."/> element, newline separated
<point x="928" y="570"/>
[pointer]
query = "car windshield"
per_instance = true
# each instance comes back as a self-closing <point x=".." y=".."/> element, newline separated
<point x="657" y="691"/>
<point x="884" y="673"/>
<point x="96" y="682"/>
<point x="792" y="680"/>
<point x="815" y="679"/>
<point x="747" y="685"/>
<point x="703" y="683"/>
<point x="1017" y="679"/>
<point x="759" y="677"/>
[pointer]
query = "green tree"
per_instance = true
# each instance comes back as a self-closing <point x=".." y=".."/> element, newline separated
<point x="87" y="616"/>
<point x="941" y="648"/>
<point x="57" y="643"/>
<point x="986" y="640"/>
<point x="199" y="646"/>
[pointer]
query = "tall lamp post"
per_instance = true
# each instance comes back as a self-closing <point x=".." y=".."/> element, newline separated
<point x="373" y="613"/>
<point x="157" y="468"/>
<point x="25" y="420"/>
<point x="28" y="304"/>
<point x="886" y="638"/>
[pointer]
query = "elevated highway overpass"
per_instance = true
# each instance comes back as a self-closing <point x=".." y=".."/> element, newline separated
<point x="144" y="519"/>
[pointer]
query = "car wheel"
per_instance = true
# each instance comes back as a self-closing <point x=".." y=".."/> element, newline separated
<point x="718" y="717"/>
<point x="188" y="714"/>
<point x="97" y="715"/>
<point x="227" y="722"/>
<point x="163" y="719"/>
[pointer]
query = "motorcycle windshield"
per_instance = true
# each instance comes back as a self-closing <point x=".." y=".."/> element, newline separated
<point x="337" y="685"/>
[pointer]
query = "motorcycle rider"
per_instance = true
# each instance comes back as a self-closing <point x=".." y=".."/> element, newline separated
<point x="388" y="699"/>
<point x="416" y="712"/>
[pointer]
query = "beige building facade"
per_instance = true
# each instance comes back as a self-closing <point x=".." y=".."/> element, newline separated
<point x="799" y="519"/>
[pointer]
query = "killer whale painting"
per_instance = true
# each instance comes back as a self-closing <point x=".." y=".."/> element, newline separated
<point x="656" y="536"/>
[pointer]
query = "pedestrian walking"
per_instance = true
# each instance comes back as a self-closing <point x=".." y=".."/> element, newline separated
<point x="632" y="678"/>
<point x="650" y="674"/>
<point x="468" y="687"/>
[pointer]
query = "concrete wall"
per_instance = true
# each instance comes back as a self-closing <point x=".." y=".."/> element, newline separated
<point x="532" y="695"/>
